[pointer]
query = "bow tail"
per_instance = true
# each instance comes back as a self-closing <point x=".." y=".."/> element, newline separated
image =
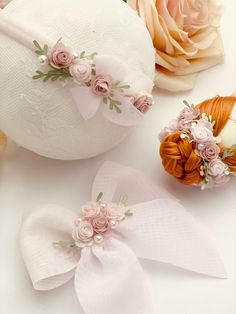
<point x="162" y="230"/>
<point x="110" y="280"/>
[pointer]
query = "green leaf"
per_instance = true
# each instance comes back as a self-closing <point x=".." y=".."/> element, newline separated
<point x="37" y="45"/>
<point x="105" y="100"/>
<point x="45" y="49"/>
<point x="99" y="197"/>
<point x="82" y="55"/>
<point x="93" y="72"/>
<point x="186" y="103"/>
<point x="228" y="153"/>
<point x="128" y="213"/>
<point x="124" y="86"/>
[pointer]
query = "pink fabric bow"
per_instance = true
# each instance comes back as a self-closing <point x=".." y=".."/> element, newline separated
<point x="88" y="103"/>
<point x="108" y="278"/>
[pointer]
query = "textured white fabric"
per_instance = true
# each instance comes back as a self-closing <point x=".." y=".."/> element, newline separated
<point x="43" y="117"/>
<point x="110" y="280"/>
<point x="108" y="277"/>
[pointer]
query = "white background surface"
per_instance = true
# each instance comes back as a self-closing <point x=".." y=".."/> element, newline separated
<point x="28" y="181"/>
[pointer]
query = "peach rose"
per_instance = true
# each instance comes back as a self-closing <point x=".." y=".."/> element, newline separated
<point x="3" y="3"/>
<point x="186" y="37"/>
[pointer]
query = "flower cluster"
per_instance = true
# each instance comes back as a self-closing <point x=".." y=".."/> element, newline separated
<point x="65" y="64"/>
<point x="94" y="222"/>
<point x="198" y="128"/>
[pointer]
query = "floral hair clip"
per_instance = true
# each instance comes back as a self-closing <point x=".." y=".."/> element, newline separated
<point x="100" y="246"/>
<point x="98" y="80"/>
<point x="198" y="129"/>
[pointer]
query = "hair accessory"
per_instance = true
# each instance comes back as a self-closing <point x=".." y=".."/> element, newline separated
<point x="100" y="246"/>
<point x="94" y="80"/>
<point x="100" y="80"/>
<point x="197" y="128"/>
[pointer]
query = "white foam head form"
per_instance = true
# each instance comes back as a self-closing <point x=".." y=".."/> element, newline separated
<point x="43" y="117"/>
<point x="228" y="134"/>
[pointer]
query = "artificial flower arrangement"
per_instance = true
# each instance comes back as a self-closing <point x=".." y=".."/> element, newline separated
<point x="191" y="146"/>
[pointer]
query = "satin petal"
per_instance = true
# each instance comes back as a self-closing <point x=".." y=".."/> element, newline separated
<point x="86" y="101"/>
<point x="109" y="65"/>
<point x="128" y="116"/>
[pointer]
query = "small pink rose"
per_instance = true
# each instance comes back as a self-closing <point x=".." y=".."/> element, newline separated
<point x="221" y="179"/>
<point x="102" y="85"/>
<point x="202" y="135"/>
<point x="216" y="167"/>
<point x="186" y="117"/>
<point x="100" y="224"/>
<point x="81" y="71"/>
<point x="209" y="152"/>
<point x="61" y="56"/>
<point x="204" y="122"/>
<point x="143" y="103"/>
<point x="113" y="212"/>
<point x="90" y="210"/>
<point x="83" y="232"/>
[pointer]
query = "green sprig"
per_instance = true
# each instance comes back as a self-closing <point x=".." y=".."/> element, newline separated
<point x="40" y="50"/>
<point x="53" y="75"/>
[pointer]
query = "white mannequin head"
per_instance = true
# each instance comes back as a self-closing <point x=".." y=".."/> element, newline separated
<point x="42" y="117"/>
<point x="228" y="134"/>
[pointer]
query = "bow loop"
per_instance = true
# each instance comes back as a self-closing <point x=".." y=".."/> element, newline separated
<point x="49" y="266"/>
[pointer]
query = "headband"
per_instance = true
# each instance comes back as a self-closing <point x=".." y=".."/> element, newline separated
<point x="128" y="219"/>
<point x="96" y="82"/>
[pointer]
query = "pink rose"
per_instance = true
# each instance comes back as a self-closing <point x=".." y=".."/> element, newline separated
<point x="209" y="152"/>
<point x="202" y="135"/>
<point x="143" y="103"/>
<point x="113" y="212"/>
<point x="216" y="167"/>
<point x="81" y="71"/>
<point x="102" y="85"/>
<point x="172" y="127"/>
<point x="204" y="122"/>
<point x="90" y="210"/>
<point x="61" y="56"/>
<point x="100" y="224"/>
<point x="221" y="179"/>
<point x="187" y="115"/>
<point x="83" y="232"/>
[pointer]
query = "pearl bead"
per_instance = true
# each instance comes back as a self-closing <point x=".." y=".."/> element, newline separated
<point x="103" y="205"/>
<point x="113" y="224"/>
<point x="78" y="221"/>
<point x="75" y="54"/>
<point x="98" y="239"/>
<point x="182" y="136"/>
<point x="43" y="59"/>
